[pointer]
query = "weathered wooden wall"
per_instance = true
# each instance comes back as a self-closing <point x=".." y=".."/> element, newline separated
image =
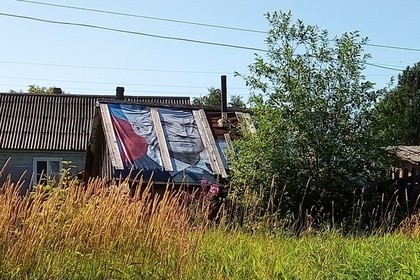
<point x="21" y="162"/>
<point x="408" y="185"/>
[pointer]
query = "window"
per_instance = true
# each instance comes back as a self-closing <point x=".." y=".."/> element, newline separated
<point x="46" y="169"/>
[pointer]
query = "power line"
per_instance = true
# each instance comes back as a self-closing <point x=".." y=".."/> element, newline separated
<point x="383" y="67"/>
<point x="134" y="32"/>
<point x="112" y="83"/>
<point x="185" y="39"/>
<point x="393" y="47"/>
<point x="112" y="68"/>
<point x="153" y="70"/>
<point x="128" y="91"/>
<point x="194" y="23"/>
<point x="144" y="17"/>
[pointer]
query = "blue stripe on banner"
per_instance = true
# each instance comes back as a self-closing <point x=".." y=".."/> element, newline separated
<point x="116" y="111"/>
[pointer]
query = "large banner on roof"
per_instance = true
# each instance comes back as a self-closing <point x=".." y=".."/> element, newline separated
<point x="188" y="155"/>
<point x="137" y="141"/>
<point x="139" y="148"/>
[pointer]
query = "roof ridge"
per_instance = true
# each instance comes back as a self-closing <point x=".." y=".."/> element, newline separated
<point x="89" y="95"/>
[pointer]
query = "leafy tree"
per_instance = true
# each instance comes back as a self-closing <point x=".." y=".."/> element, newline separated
<point x="236" y="102"/>
<point x="398" y="113"/>
<point x="313" y="110"/>
<point x="13" y="91"/>
<point x="34" y="89"/>
<point x="211" y="99"/>
<point x="214" y="98"/>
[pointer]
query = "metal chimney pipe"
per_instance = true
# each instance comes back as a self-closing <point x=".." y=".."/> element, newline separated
<point x="223" y="95"/>
<point x="120" y="93"/>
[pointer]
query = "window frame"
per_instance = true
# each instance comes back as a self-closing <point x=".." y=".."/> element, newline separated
<point x="48" y="173"/>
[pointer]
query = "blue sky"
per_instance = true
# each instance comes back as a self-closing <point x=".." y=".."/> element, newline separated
<point x="92" y="61"/>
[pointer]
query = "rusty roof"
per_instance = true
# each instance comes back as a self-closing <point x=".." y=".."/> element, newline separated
<point x="55" y="122"/>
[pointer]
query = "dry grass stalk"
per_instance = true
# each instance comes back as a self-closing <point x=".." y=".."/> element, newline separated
<point x="93" y="219"/>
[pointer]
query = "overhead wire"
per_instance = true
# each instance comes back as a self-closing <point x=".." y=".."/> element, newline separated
<point x="110" y="83"/>
<point x="383" y="67"/>
<point x="192" y="22"/>
<point x="128" y="90"/>
<point x="145" y="34"/>
<point x="112" y="68"/>
<point x="133" y="32"/>
<point x="144" y="17"/>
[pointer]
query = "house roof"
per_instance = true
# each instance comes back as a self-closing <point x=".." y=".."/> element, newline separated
<point x="409" y="154"/>
<point x="55" y="122"/>
<point x="177" y="143"/>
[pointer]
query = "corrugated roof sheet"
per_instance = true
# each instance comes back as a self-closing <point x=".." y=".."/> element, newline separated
<point x="55" y="122"/>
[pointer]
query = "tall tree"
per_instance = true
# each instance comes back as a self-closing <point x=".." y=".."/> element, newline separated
<point x="213" y="98"/>
<point x="313" y="110"/>
<point x="398" y="113"/>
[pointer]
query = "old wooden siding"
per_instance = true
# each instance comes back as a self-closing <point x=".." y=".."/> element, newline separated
<point x="21" y="164"/>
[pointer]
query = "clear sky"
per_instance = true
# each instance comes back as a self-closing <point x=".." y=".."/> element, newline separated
<point x="93" y="61"/>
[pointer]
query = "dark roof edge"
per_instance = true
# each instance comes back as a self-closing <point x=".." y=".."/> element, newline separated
<point x="41" y="150"/>
<point x="98" y="96"/>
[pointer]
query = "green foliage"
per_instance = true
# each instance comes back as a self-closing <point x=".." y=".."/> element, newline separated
<point x="214" y="98"/>
<point x="34" y="89"/>
<point x="398" y="114"/>
<point x="236" y="102"/>
<point x="99" y="232"/>
<point x="313" y="110"/>
<point x="13" y="91"/>
<point x="222" y="255"/>
<point x="326" y="256"/>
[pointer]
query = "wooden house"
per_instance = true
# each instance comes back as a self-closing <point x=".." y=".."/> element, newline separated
<point x="406" y="175"/>
<point x="407" y="160"/>
<point x="182" y="144"/>
<point x="40" y="133"/>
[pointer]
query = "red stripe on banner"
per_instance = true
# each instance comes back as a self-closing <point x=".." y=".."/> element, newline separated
<point x="133" y="145"/>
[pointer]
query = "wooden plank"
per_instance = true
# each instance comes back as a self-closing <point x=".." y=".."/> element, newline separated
<point x="228" y="141"/>
<point x="111" y="139"/>
<point x="204" y="137"/>
<point x="209" y="142"/>
<point x="246" y="117"/>
<point x="164" y="151"/>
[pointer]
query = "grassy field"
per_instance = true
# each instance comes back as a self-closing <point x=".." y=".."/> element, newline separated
<point x="99" y="232"/>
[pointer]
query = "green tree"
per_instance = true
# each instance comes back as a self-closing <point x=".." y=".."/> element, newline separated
<point x="236" y="102"/>
<point x="398" y="113"/>
<point x="34" y="89"/>
<point x="313" y="110"/>
<point x="213" y="98"/>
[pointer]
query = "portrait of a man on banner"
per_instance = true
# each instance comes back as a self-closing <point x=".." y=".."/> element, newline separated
<point x="189" y="157"/>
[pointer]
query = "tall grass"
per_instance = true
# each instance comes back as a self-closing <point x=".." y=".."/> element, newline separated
<point x="98" y="231"/>
<point x="42" y="231"/>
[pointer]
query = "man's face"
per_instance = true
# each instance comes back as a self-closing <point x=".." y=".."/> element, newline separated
<point x="181" y="132"/>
